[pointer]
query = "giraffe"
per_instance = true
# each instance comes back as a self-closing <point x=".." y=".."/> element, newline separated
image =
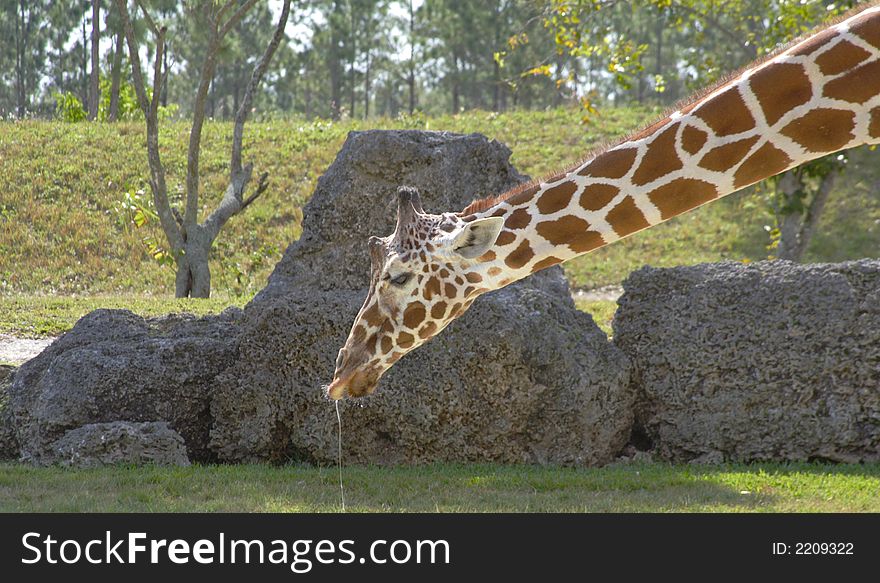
<point x="817" y="96"/>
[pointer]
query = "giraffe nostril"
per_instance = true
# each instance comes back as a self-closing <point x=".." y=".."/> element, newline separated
<point x="340" y="358"/>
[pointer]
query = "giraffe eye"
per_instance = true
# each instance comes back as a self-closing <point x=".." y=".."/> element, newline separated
<point x="400" y="279"/>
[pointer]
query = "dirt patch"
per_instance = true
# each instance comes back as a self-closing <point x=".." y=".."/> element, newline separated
<point x="18" y="350"/>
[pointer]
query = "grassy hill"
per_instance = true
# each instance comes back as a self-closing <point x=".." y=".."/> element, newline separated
<point x="63" y="228"/>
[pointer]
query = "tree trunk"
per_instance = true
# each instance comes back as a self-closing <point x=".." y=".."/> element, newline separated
<point x="193" y="279"/>
<point x="94" y="83"/>
<point x="367" y="85"/>
<point x="20" y="42"/>
<point x="164" y="99"/>
<point x="412" y="59"/>
<point x="85" y="65"/>
<point x="115" y="79"/>
<point x="797" y="229"/>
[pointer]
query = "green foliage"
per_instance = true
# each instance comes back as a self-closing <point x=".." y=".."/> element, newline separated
<point x="136" y="209"/>
<point x="69" y="108"/>
<point x="638" y="487"/>
<point x="127" y="108"/>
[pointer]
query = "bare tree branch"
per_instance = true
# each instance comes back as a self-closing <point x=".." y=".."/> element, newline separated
<point x="157" y="74"/>
<point x="261" y="188"/>
<point x="151" y="24"/>
<point x="233" y="200"/>
<point x="222" y="12"/>
<point x="236" y="18"/>
<point x="157" y="171"/>
<point x="256" y="78"/>
<point x="195" y="136"/>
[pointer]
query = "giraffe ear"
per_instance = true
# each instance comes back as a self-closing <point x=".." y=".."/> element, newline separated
<point x="477" y="237"/>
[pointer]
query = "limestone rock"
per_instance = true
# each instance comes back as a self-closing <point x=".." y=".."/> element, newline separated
<point x="116" y="366"/>
<point x="121" y="442"/>
<point x="768" y="361"/>
<point x="8" y="439"/>
<point x="522" y="377"/>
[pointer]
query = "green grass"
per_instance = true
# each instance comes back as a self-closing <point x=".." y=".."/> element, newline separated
<point x="643" y="487"/>
<point x="61" y="232"/>
<point x="601" y="310"/>
<point x="40" y="316"/>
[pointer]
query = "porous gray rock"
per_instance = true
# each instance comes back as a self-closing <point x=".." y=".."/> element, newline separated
<point x="121" y="442"/>
<point x="8" y="439"/>
<point x="522" y="377"/>
<point x="767" y="361"/>
<point x="116" y="366"/>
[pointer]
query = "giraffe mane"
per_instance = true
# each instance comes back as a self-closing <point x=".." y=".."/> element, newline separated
<point x="484" y="204"/>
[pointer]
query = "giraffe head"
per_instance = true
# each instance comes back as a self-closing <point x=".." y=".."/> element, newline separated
<point x="423" y="276"/>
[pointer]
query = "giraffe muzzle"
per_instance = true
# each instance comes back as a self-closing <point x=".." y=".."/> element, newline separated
<point x="358" y="384"/>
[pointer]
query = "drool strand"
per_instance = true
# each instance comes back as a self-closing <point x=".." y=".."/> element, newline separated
<point x="339" y="455"/>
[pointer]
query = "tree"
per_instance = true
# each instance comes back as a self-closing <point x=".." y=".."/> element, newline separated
<point x="94" y="92"/>
<point x="190" y="241"/>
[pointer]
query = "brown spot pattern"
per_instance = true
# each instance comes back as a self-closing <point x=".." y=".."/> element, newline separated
<point x="545" y="263"/>
<point x="822" y="130"/>
<point x="450" y="290"/>
<point x="518" y="219"/>
<point x="562" y="230"/>
<point x="874" y="127"/>
<point x="405" y="340"/>
<point x="726" y="114"/>
<point x="841" y="57"/>
<point x="597" y="196"/>
<point x="427" y="330"/>
<point x="473" y="277"/>
<point x="432" y="288"/>
<point x="520" y="256"/>
<point x="728" y="155"/>
<point x="586" y="241"/>
<point x="857" y="86"/>
<point x="812" y="44"/>
<point x="680" y="195"/>
<point x="556" y="198"/>
<point x="372" y="315"/>
<point x="766" y="161"/>
<point x="660" y="159"/>
<point x="571" y="230"/>
<point x="626" y="218"/>
<point x="780" y="87"/>
<point x="387" y="344"/>
<point x="692" y="139"/>
<point x="612" y="164"/>
<point x="651" y="129"/>
<point x="505" y="238"/>
<point x="413" y="315"/>
<point x="438" y="310"/>
<point x="868" y="30"/>
<point x="523" y="196"/>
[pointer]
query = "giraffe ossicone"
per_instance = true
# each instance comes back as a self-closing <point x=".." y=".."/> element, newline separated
<point x="813" y="98"/>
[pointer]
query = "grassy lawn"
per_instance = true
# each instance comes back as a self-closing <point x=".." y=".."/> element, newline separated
<point x="39" y="316"/>
<point x="63" y="229"/>
<point x="643" y="487"/>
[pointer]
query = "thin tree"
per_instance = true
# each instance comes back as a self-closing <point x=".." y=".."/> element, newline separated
<point x="94" y="90"/>
<point x="190" y="241"/>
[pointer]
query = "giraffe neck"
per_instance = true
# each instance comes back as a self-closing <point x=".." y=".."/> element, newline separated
<point x="819" y="96"/>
